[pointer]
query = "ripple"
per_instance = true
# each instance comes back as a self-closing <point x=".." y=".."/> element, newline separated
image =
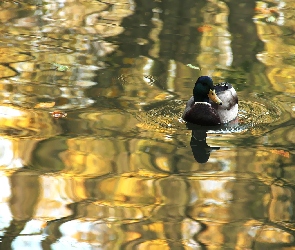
<point x="259" y="112"/>
<point x="254" y="116"/>
<point x="162" y="116"/>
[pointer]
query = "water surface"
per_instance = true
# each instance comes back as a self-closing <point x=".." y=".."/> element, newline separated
<point x="94" y="154"/>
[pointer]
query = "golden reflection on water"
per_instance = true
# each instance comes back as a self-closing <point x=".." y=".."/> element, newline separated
<point x="121" y="170"/>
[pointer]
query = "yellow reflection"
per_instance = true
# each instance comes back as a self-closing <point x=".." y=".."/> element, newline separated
<point x="18" y="121"/>
<point x="154" y="245"/>
<point x="157" y="227"/>
<point x="85" y="164"/>
<point x="130" y="236"/>
<point x="274" y="235"/>
<point x="6" y="72"/>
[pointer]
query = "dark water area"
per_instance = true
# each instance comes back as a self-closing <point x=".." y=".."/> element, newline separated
<point x="94" y="153"/>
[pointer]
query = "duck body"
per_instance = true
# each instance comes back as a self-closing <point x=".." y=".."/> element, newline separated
<point x="211" y="104"/>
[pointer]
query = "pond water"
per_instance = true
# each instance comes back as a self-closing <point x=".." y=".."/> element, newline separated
<point x="94" y="153"/>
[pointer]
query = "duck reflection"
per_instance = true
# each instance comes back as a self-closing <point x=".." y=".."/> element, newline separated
<point x="201" y="150"/>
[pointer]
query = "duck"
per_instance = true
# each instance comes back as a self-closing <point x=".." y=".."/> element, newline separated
<point x="211" y="104"/>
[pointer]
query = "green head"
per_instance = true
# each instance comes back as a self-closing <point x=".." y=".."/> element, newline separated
<point x="204" y="89"/>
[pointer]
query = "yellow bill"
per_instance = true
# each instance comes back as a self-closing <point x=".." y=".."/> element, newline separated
<point x="214" y="98"/>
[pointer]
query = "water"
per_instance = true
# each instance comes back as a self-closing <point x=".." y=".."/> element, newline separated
<point x="94" y="154"/>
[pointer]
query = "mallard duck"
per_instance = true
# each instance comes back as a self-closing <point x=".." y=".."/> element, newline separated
<point x="211" y="105"/>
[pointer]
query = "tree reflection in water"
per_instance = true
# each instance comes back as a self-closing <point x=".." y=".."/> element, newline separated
<point x="99" y="178"/>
